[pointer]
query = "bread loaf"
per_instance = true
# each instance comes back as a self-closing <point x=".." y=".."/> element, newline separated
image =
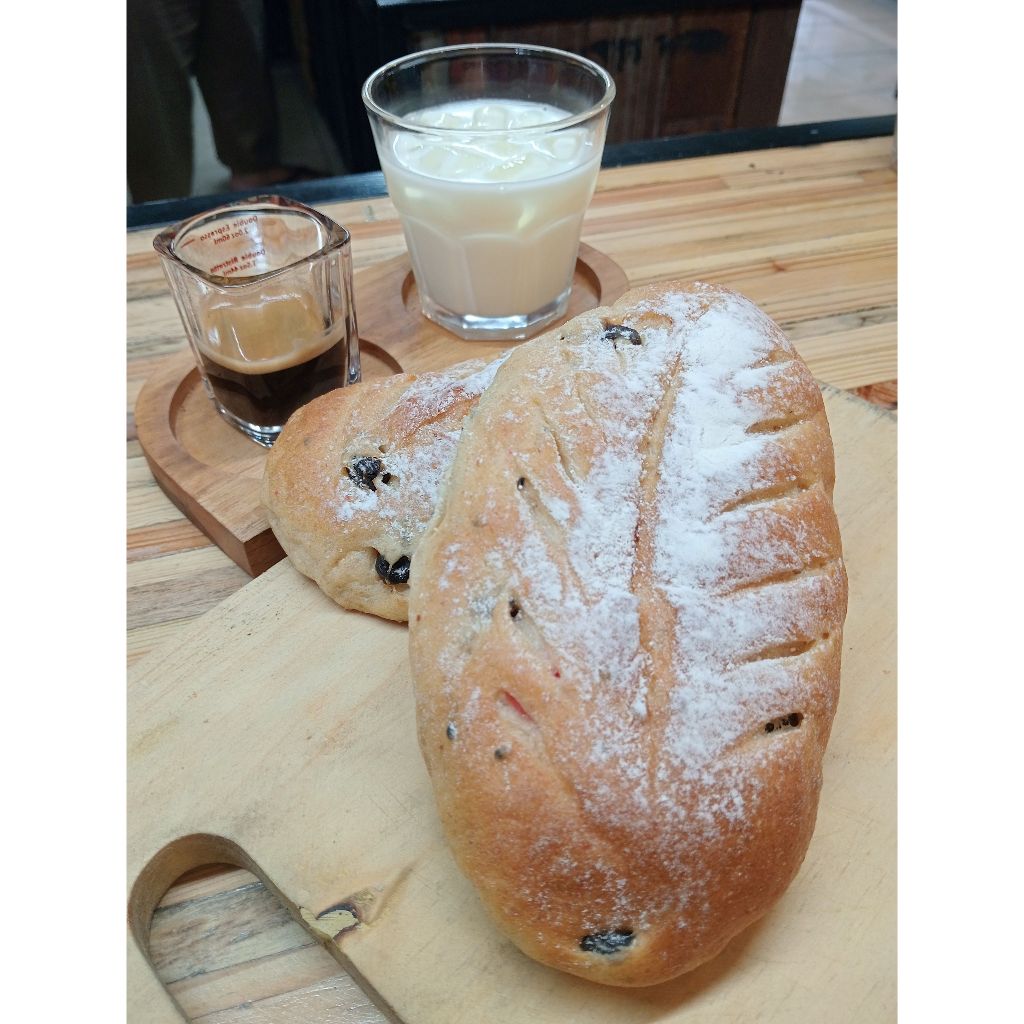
<point x="625" y="633"/>
<point x="353" y="478"/>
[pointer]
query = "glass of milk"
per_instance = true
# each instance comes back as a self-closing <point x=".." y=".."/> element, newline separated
<point x="490" y="153"/>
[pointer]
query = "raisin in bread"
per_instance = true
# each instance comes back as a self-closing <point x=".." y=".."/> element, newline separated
<point x="353" y="478"/>
<point x="625" y="633"/>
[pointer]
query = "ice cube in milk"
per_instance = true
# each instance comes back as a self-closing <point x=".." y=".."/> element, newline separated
<point x="491" y="218"/>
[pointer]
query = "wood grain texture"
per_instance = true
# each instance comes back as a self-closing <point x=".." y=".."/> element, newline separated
<point x="810" y="234"/>
<point x="252" y="960"/>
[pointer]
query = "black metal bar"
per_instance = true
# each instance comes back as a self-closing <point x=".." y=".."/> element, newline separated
<point x="371" y="184"/>
<point x="324" y="190"/>
<point x="740" y="140"/>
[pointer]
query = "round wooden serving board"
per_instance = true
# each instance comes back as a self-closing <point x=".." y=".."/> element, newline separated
<point x="212" y="472"/>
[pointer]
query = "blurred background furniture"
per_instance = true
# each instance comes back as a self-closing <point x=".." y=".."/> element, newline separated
<point x="691" y="66"/>
<point x="841" y="65"/>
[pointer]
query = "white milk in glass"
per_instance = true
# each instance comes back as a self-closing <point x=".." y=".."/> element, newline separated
<point x="492" y="218"/>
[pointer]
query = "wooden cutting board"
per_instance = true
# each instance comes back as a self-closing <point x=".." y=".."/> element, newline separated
<point x="279" y="735"/>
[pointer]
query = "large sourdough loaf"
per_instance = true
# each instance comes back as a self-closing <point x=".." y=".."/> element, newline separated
<point x="353" y="479"/>
<point x="625" y="633"/>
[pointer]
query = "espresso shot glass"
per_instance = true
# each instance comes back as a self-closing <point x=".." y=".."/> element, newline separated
<point x="264" y="290"/>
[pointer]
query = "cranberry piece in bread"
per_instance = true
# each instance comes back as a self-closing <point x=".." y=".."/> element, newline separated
<point x="625" y="632"/>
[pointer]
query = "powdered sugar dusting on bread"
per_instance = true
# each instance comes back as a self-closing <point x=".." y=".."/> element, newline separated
<point x="708" y="457"/>
<point x="591" y="619"/>
<point x="419" y="463"/>
<point x="714" y="348"/>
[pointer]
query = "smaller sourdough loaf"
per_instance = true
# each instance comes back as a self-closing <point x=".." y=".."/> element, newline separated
<point x="625" y="633"/>
<point x="353" y="479"/>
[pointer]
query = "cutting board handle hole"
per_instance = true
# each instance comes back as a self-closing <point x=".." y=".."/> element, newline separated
<point x="227" y="924"/>
<point x="166" y="867"/>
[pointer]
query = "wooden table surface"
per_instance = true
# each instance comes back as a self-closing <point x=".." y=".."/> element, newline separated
<point x="809" y="233"/>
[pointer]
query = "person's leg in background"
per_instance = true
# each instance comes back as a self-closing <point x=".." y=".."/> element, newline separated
<point x="161" y="36"/>
<point x="234" y="77"/>
<point x="221" y="43"/>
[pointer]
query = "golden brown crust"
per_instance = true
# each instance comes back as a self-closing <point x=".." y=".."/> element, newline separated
<point x="625" y="633"/>
<point x="334" y="514"/>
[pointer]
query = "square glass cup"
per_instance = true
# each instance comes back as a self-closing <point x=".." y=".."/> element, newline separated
<point x="264" y="290"/>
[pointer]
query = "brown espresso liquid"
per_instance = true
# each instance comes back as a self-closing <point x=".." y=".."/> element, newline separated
<point x="271" y="358"/>
<point x="268" y="399"/>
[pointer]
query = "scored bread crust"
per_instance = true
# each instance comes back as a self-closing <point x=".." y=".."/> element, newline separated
<point x="625" y="633"/>
<point x="335" y="515"/>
